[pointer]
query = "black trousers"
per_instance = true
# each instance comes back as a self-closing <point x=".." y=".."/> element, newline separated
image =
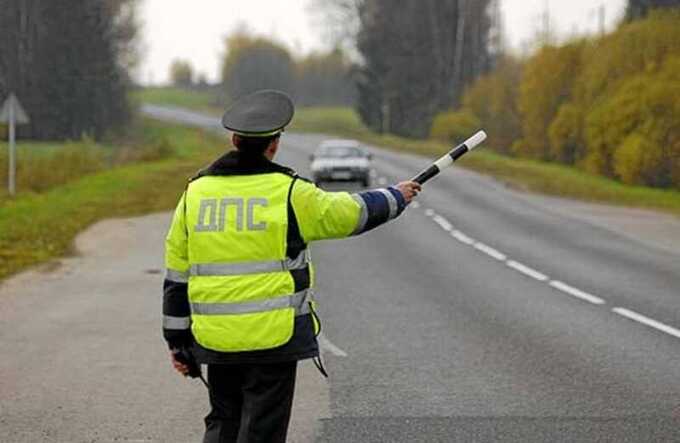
<point x="251" y="403"/>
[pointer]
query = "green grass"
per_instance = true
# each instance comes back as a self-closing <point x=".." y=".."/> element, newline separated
<point x="36" y="227"/>
<point x="540" y="177"/>
<point x="44" y="165"/>
<point x="200" y="100"/>
<point x="564" y="181"/>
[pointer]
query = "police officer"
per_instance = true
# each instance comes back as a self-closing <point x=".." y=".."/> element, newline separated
<point x="238" y="289"/>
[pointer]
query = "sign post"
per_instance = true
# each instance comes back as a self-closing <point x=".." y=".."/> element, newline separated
<point x="12" y="113"/>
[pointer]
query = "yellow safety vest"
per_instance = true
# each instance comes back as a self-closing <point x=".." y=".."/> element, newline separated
<point x="229" y="241"/>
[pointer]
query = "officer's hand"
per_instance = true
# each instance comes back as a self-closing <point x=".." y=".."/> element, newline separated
<point x="409" y="190"/>
<point x="179" y="367"/>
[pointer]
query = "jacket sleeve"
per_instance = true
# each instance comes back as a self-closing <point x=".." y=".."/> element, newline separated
<point x="176" y="310"/>
<point x="325" y="215"/>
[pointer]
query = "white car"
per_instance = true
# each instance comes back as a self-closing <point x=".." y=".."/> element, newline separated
<point x="341" y="160"/>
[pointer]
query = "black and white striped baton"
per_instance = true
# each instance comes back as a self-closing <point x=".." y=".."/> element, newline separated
<point x="447" y="160"/>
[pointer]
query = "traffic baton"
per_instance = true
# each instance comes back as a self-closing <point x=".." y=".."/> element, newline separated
<point x="447" y="160"/>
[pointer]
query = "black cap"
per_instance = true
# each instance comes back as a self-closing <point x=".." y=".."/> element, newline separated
<point x="260" y="114"/>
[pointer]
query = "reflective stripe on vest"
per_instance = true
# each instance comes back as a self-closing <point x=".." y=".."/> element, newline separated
<point x="176" y="276"/>
<point x="263" y="267"/>
<point x="299" y="301"/>
<point x="242" y="291"/>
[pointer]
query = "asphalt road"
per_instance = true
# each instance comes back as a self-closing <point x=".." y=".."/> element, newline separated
<point x="482" y="314"/>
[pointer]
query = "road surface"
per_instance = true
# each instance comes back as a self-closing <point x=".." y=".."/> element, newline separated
<point x="483" y="314"/>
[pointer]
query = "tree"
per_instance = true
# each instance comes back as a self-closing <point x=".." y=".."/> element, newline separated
<point x="181" y="73"/>
<point x="418" y="58"/>
<point x="548" y="81"/>
<point x="634" y="134"/>
<point x="253" y="63"/>
<point x="68" y="61"/>
<point x="493" y="98"/>
<point x="325" y="79"/>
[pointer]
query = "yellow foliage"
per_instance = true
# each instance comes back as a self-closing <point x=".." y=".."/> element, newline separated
<point x="454" y="127"/>
<point x="565" y="133"/>
<point x="610" y="105"/>
<point x="493" y="99"/>
<point x="635" y="48"/>
<point x="634" y="133"/>
<point x="636" y="157"/>
<point x="547" y="83"/>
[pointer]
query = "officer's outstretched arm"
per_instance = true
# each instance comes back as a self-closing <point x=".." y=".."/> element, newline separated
<point x="326" y="215"/>
<point x="176" y="310"/>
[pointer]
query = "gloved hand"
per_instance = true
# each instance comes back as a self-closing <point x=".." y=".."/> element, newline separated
<point x="185" y="363"/>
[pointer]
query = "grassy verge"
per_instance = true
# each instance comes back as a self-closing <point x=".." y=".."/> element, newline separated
<point x="36" y="227"/>
<point x="540" y="177"/>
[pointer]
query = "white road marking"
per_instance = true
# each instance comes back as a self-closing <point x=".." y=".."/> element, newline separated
<point x="462" y="237"/>
<point x="488" y="250"/>
<point x="414" y="205"/>
<point x="647" y="321"/>
<point x="530" y="272"/>
<point x="429" y="212"/>
<point x="382" y="181"/>
<point x="444" y="223"/>
<point x="576" y="292"/>
<point x="330" y="347"/>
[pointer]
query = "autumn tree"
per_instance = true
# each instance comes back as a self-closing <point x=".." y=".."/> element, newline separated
<point x="548" y="81"/>
<point x="253" y="63"/>
<point x="181" y="73"/>
<point x="325" y="79"/>
<point x="493" y="99"/>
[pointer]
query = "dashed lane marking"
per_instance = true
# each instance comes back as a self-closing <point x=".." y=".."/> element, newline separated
<point x="382" y="181"/>
<point x="462" y="237"/>
<point x="442" y="222"/>
<point x="530" y="272"/>
<point x="526" y="270"/>
<point x="647" y="321"/>
<point x="576" y="292"/>
<point x="491" y="252"/>
<point x="326" y="344"/>
<point x="415" y="205"/>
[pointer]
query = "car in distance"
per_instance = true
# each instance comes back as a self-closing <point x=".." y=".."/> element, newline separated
<point x="341" y="160"/>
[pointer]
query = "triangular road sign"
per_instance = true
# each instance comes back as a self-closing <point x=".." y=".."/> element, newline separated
<point x="20" y="116"/>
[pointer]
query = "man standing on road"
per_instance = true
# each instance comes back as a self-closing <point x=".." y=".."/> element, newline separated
<point x="238" y="289"/>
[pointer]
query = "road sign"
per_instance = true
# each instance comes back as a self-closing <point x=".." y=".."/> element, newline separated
<point x="20" y="116"/>
<point x="13" y="114"/>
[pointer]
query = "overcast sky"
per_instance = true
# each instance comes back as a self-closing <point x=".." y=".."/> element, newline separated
<point x="194" y="30"/>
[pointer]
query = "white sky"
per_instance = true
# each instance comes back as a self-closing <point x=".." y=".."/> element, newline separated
<point x="194" y="30"/>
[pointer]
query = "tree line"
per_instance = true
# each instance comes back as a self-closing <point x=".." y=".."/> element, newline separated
<point x="68" y="62"/>
<point x="412" y="59"/>
<point x="608" y="105"/>
<point x="418" y="57"/>
<point x="252" y="62"/>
